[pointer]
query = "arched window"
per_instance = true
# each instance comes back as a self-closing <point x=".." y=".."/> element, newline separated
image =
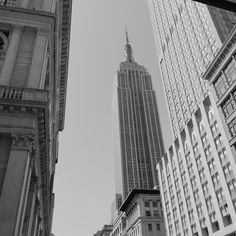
<point x="193" y="137"/>
<point x="3" y="42"/>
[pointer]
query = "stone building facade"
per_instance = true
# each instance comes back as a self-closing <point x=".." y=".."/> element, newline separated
<point x="222" y="77"/>
<point x="34" y="49"/>
<point x="143" y="214"/>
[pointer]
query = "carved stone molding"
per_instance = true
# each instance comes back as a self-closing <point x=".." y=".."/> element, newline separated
<point x="33" y="183"/>
<point x="42" y="32"/>
<point x="23" y="141"/>
<point x="18" y="28"/>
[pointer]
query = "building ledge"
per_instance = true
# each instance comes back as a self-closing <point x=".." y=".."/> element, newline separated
<point x="226" y="49"/>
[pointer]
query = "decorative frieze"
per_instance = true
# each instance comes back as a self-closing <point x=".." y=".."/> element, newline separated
<point x="23" y="141"/>
<point x="43" y="32"/>
<point x="18" y="28"/>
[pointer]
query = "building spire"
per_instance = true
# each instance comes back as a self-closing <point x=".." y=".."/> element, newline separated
<point x="128" y="48"/>
<point x="127" y="36"/>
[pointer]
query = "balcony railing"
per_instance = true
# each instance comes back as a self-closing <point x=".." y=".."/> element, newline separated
<point x="8" y="2"/>
<point x="11" y="93"/>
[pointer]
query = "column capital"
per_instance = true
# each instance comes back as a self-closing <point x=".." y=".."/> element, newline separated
<point x="23" y="141"/>
<point x="18" y="28"/>
<point x="43" y="31"/>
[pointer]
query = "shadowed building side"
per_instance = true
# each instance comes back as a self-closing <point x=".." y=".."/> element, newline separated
<point x="34" y="50"/>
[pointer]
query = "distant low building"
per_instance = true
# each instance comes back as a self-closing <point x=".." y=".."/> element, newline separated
<point x="116" y="204"/>
<point x="106" y="230"/>
<point x="143" y="212"/>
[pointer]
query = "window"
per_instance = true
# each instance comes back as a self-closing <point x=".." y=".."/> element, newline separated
<point x="154" y="204"/>
<point x="230" y="72"/>
<point x="221" y="85"/>
<point x="147" y="204"/>
<point x="158" y="227"/>
<point x="3" y="41"/>
<point x="232" y="127"/>
<point x="155" y="213"/>
<point x="228" y="106"/>
<point x="148" y="213"/>
<point x="149" y="227"/>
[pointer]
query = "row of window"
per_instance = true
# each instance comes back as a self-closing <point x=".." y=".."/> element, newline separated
<point x="151" y="203"/>
<point x="150" y="227"/>
<point x="226" y="78"/>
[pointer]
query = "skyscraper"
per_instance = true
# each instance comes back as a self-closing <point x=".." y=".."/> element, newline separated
<point x="197" y="173"/>
<point x="138" y="134"/>
<point x="187" y="35"/>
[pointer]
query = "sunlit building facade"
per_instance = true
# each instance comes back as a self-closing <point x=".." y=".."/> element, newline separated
<point x="34" y="49"/>
<point x="197" y="173"/>
<point x="188" y="35"/>
<point x="137" y="131"/>
<point x="222" y="77"/>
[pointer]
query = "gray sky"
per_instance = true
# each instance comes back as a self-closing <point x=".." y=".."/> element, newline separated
<point x="84" y="182"/>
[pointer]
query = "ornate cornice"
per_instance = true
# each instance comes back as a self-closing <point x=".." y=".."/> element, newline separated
<point x="226" y="50"/>
<point x="18" y="28"/>
<point x="65" y="46"/>
<point x="23" y="141"/>
<point x="43" y="32"/>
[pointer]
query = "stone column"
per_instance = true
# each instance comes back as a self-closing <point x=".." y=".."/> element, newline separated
<point x="24" y="3"/>
<point x="47" y="5"/>
<point x="39" y="58"/>
<point x="15" y="186"/>
<point x="10" y="59"/>
<point x="35" y="218"/>
<point x="29" y="215"/>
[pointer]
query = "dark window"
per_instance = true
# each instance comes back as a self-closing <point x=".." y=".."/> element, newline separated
<point x="146" y="204"/>
<point x="228" y="106"/>
<point x="148" y="213"/>
<point x="158" y="227"/>
<point x="230" y="72"/>
<point x="149" y="227"/>
<point x="155" y="213"/>
<point x="154" y="204"/>
<point x="221" y="85"/>
<point x="232" y="127"/>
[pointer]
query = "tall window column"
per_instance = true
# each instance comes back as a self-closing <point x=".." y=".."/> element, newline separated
<point x="15" y="186"/>
<point x="10" y="59"/>
<point x="24" y="3"/>
<point x="31" y="205"/>
<point x="39" y="59"/>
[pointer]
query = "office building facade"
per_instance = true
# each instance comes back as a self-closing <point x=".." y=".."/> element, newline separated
<point x="222" y="77"/>
<point x="34" y="49"/>
<point x="197" y="173"/>
<point x="143" y="211"/>
<point x="137" y="131"/>
<point x="187" y="35"/>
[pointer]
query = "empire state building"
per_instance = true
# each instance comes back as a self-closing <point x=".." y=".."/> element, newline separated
<point x="138" y="137"/>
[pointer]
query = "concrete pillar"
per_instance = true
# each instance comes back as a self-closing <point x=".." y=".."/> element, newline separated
<point x="15" y="186"/>
<point x="24" y="3"/>
<point x="10" y="59"/>
<point x="29" y="215"/>
<point x="35" y="219"/>
<point x="39" y="59"/>
<point x="5" y="148"/>
<point x="47" y="5"/>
